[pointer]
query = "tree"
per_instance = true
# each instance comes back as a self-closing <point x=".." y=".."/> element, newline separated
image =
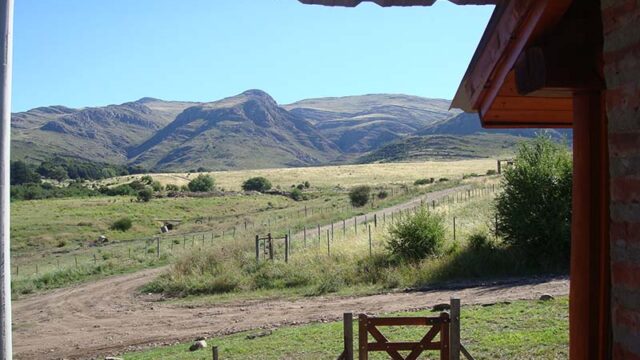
<point x="359" y="195"/>
<point x="21" y="173"/>
<point x="145" y="194"/>
<point x="534" y="210"/>
<point x="259" y="183"/>
<point x="146" y="179"/>
<point x="296" y="194"/>
<point x="202" y="183"/>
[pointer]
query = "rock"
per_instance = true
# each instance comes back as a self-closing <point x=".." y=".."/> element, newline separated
<point x="258" y="335"/>
<point x="197" y="345"/>
<point x="546" y="297"/>
<point x="441" y="307"/>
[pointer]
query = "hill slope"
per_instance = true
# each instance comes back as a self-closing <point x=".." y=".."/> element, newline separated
<point x="245" y="131"/>
<point x="357" y="124"/>
<point x="98" y="133"/>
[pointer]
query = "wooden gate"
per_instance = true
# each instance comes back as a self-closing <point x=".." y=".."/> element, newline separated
<point x="436" y="326"/>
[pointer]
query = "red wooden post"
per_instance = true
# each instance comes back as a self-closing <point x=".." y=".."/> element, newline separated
<point x="363" y="338"/>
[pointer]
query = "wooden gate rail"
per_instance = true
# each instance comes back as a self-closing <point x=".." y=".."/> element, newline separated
<point x="438" y="325"/>
<point x="267" y="245"/>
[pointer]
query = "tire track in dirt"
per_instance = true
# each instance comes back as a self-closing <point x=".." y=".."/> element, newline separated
<point x="108" y="316"/>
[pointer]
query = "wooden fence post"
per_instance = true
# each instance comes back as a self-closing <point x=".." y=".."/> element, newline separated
<point x="289" y="237"/>
<point x="363" y="338"/>
<point x="286" y="248"/>
<point x="375" y="220"/>
<point x="348" y="336"/>
<point x="257" y="248"/>
<point x="454" y="229"/>
<point x="331" y="231"/>
<point x="270" y="240"/>
<point x="158" y="245"/>
<point x="454" y="330"/>
<point x="214" y="351"/>
<point x="319" y="236"/>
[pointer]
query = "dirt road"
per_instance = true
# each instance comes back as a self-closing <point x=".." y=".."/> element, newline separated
<point x="108" y="316"/>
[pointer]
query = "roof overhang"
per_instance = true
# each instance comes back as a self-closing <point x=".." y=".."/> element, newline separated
<point x="352" y="3"/>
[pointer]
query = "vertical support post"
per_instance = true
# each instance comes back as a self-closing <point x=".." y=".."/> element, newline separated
<point x="319" y="236"/>
<point x="6" y="45"/>
<point x="375" y="220"/>
<point x="347" y="322"/>
<point x="158" y="245"/>
<point x="214" y="352"/>
<point x="589" y="294"/>
<point x="257" y="248"/>
<point x="454" y="327"/>
<point x="286" y="248"/>
<point x="270" y="240"/>
<point x="290" y="239"/>
<point x="454" y="229"/>
<point x="355" y="224"/>
<point x="344" y="229"/>
<point x="363" y="338"/>
<point x="499" y="168"/>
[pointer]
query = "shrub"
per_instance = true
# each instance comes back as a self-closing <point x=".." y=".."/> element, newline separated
<point x="443" y="180"/>
<point x="383" y="194"/>
<point x="416" y="236"/>
<point x="491" y="172"/>
<point x="467" y="176"/>
<point x="156" y="186"/>
<point x="479" y="240"/>
<point x="172" y="187"/>
<point x="296" y="194"/>
<point x="307" y="184"/>
<point x="300" y="186"/>
<point x="202" y="183"/>
<point x="145" y="195"/>
<point x="146" y="179"/>
<point x="258" y="183"/>
<point x="422" y="182"/>
<point x="359" y="195"/>
<point x="534" y="210"/>
<point x="122" y="224"/>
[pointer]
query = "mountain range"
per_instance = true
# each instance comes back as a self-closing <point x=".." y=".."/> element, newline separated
<point x="251" y="130"/>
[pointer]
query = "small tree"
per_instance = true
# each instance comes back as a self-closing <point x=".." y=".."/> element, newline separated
<point x="259" y="183"/>
<point x="146" y="179"/>
<point x="202" y="183"/>
<point x="296" y="194"/>
<point x="145" y="194"/>
<point x="172" y="187"/>
<point x="359" y="195"/>
<point x="416" y="236"/>
<point x="156" y="186"/>
<point x="534" y="210"/>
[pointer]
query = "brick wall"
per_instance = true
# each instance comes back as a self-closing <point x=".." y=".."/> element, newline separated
<point x="621" y="25"/>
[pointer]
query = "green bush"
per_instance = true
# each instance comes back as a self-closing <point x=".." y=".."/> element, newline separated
<point x="202" y="183"/>
<point x="417" y="236"/>
<point x="307" y="185"/>
<point x="145" y="195"/>
<point x="258" y="183"/>
<point x="296" y="194"/>
<point x="122" y="224"/>
<point x="479" y="240"/>
<point x="491" y="172"/>
<point x="534" y="210"/>
<point x="383" y="194"/>
<point x="172" y="187"/>
<point x="156" y="186"/>
<point x="423" y="181"/>
<point x="359" y="195"/>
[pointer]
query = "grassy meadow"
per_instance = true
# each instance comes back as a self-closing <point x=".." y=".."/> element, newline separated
<point x="53" y="240"/>
<point x="520" y="330"/>
<point x="342" y="176"/>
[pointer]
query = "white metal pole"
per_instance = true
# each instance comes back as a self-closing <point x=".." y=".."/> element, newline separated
<point x="6" y="42"/>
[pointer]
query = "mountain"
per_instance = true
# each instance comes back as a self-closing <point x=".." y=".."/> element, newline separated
<point x="460" y="137"/>
<point x="358" y="124"/>
<point x="249" y="130"/>
<point x="96" y="133"/>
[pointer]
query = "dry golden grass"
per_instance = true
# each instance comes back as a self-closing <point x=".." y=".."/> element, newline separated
<point x="343" y="175"/>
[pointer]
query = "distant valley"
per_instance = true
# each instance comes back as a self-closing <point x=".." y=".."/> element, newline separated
<point x="251" y="130"/>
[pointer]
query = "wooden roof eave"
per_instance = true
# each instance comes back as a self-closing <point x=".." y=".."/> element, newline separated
<point x="489" y="82"/>
<point x="385" y="3"/>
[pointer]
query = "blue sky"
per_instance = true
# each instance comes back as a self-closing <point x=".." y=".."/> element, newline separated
<point x="96" y="52"/>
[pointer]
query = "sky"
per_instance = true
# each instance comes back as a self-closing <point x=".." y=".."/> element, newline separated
<point x="81" y="53"/>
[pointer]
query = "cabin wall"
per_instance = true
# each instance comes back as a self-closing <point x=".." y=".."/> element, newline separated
<point x="621" y="26"/>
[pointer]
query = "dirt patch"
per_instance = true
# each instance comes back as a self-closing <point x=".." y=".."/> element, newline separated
<point x="108" y="316"/>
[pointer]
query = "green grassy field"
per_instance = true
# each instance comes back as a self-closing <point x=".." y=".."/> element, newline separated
<point x="53" y="241"/>
<point x="520" y="330"/>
